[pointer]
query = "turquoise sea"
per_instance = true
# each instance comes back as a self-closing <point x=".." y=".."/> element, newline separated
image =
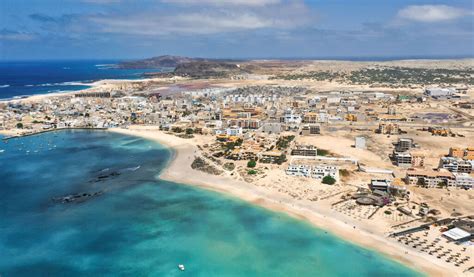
<point x="143" y="226"/>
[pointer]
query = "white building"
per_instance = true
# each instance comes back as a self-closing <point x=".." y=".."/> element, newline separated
<point x="316" y="172"/>
<point x="234" y="131"/>
<point x="290" y="117"/>
<point x="360" y="142"/>
<point x="462" y="180"/>
<point x="439" y="92"/>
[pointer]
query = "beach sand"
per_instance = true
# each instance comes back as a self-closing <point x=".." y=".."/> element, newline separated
<point x="179" y="170"/>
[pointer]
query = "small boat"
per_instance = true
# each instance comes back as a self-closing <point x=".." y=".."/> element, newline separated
<point x="1" y="150"/>
<point x="181" y="267"/>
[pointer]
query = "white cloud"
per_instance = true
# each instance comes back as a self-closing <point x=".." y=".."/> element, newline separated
<point x="205" y="21"/>
<point x="431" y="13"/>
<point x="15" y="35"/>
<point x="188" y="23"/>
<point x="224" y="2"/>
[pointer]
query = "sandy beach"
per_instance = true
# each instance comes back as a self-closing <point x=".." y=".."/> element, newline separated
<point x="179" y="170"/>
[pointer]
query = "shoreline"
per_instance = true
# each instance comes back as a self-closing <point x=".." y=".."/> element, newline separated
<point x="94" y="85"/>
<point x="178" y="170"/>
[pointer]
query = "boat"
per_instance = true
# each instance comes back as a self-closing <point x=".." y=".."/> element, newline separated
<point x="181" y="267"/>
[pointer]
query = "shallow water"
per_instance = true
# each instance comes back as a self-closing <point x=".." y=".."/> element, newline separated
<point x="143" y="226"/>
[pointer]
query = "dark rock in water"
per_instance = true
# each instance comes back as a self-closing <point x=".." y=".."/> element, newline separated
<point x="105" y="176"/>
<point x="79" y="197"/>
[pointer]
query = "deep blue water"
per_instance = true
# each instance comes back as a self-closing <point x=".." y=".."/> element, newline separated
<point x="143" y="226"/>
<point x="20" y="78"/>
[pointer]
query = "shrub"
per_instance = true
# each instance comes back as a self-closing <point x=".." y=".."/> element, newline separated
<point x="19" y="125"/>
<point x="229" y="166"/>
<point x="344" y="172"/>
<point x="176" y="130"/>
<point x="251" y="172"/>
<point x="251" y="164"/>
<point x="322" y="152"/>
<point x="329" y="180"/>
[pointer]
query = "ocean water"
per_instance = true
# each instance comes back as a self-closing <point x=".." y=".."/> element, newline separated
<point x="143" y="226"/>
<point x="23" y="78"/>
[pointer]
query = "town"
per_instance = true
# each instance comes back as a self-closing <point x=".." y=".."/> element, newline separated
<point x="401" y="164"/>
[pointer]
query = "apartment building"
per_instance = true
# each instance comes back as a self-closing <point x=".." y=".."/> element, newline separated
<point x="456" y="164"/>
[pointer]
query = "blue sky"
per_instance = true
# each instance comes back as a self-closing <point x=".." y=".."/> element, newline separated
<point x="79" y="29"/>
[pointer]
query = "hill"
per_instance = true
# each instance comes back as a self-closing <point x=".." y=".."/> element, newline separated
<point x="158" y="62"/>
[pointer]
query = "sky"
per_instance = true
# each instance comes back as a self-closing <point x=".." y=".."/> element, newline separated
<point x="131" y="29"/>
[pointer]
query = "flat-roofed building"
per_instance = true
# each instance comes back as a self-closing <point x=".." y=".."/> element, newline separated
<point x="440" y="92"/>
<point x="316" y="171"/>
<point x="404" y="144"/>
<point x="380" y="184"/>
<point x="271" y="128"/>
<point x="360" y="142"/>
<point x="310" y="129"/>
<point x="417" y="160"/>
<point x="456" y="164"/>
<point x="311" y="117"/>
<point x="466" y="154"/>
<point x="304" y="150"/>
<point x="428" y="178"/>
<point x="462" y="180"/>
<point x="456" y="152"/>
<point x="273" y="156"/>
<point x="388" y="128"/>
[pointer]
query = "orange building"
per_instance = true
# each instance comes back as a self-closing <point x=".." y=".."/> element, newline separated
<point x="456" y="152"/>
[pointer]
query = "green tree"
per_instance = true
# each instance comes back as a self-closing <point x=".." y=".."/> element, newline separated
<point x="19" y="125"/>
<point x="329" y="180"/>
<point x="251" y="164"/>
<point x="189" y="131"/>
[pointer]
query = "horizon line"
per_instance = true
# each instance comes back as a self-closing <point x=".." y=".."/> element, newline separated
<point x="361" y="58"/>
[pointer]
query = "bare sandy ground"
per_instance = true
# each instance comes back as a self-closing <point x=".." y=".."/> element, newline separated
<point x="8" y="132"/>
<point x="179" y="170"/>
